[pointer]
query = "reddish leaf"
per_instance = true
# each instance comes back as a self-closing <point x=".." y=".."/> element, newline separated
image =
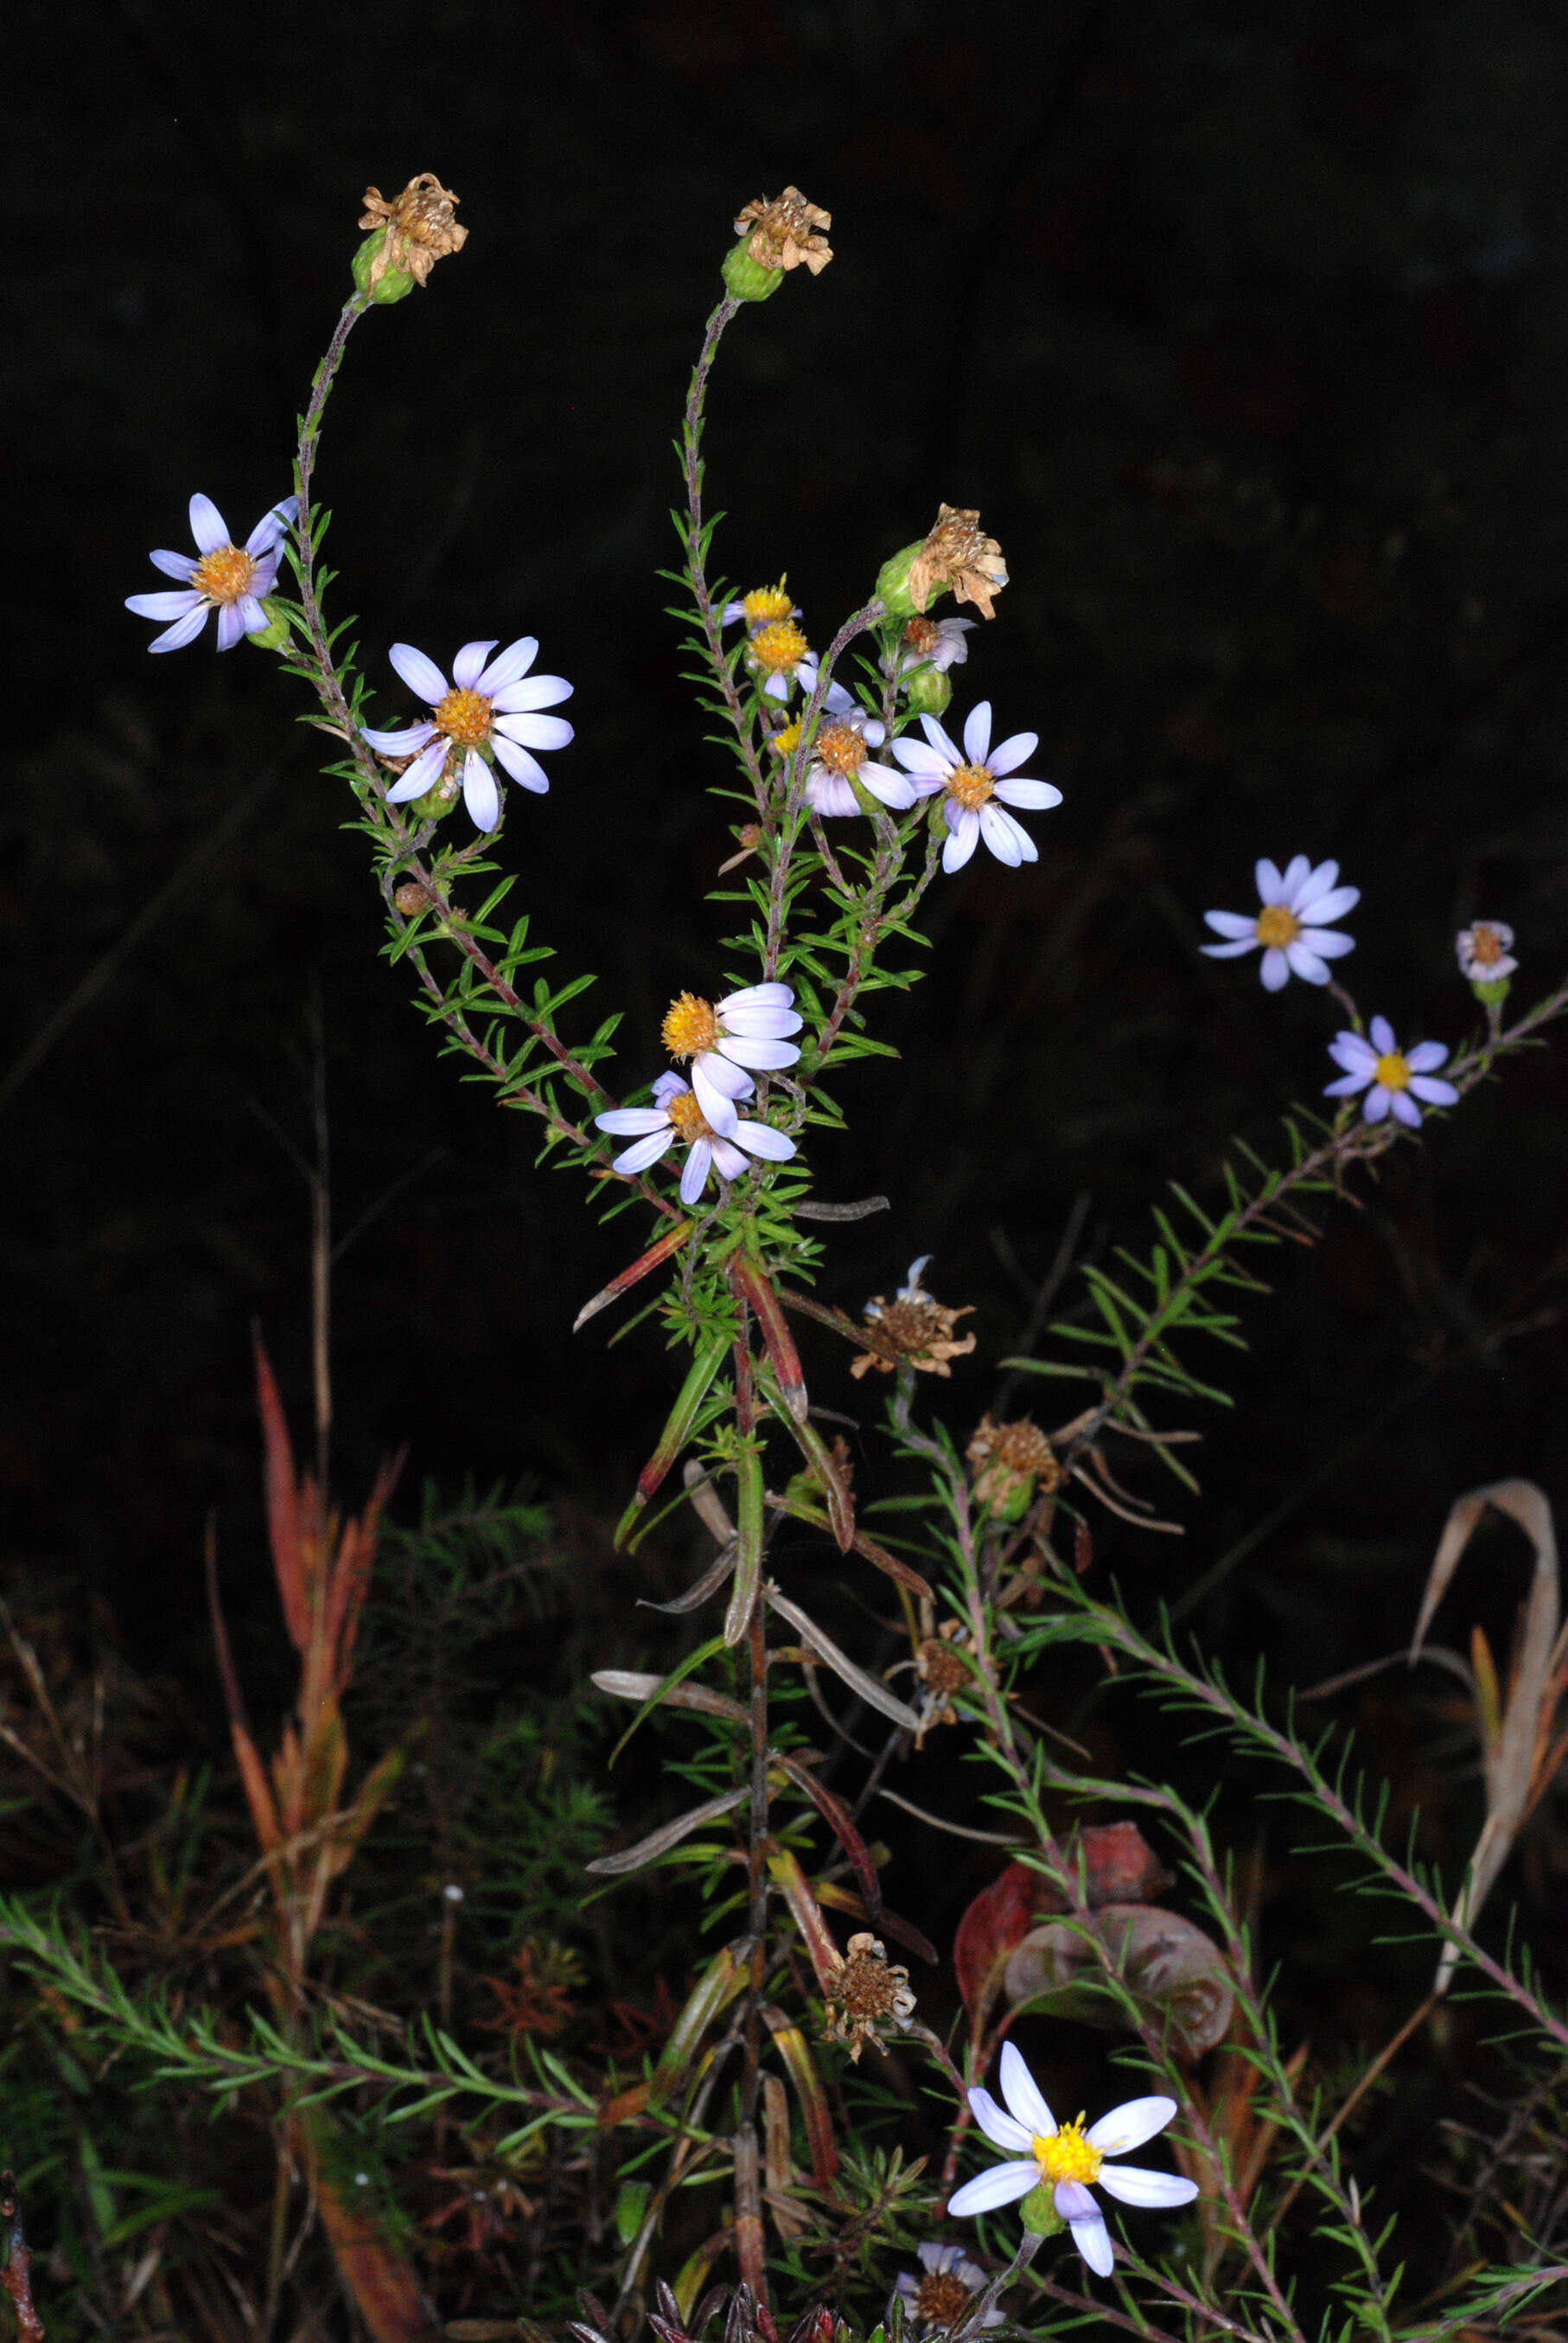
<point x="283" y="1523"/>
<point x="1118" y="1867"/>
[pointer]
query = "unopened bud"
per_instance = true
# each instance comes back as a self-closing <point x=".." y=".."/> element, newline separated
<point x="747" y="279"/>
<point x="277" y="635"/>
<point x="893" y="583"/>
<point x="373" y="275"/>
<point x="1492" y="991"/>
<point x="929" y="692"/>
<point x="1038" y="2214"/>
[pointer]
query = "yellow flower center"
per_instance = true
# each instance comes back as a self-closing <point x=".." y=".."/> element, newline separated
<point x="972" y="785"/>
<point x="224" y="576"/>
<point x="687" y="1117"/>
<point x="689" y="1027"/>
<point x="1392" y="1072"/>
<point x="841" y="748"/>
<point x="1069" y="2156"/>
<point x="465" y="717"/>
<point x="778" y="647"/>
<point x="784" y="741"/>
<point x="1277" y="927"/>
<point x="1485" y="945"/>
<point x="764" y="604"/>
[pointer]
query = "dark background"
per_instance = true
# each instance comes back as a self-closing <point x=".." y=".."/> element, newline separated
<point x="1244" y="327"/>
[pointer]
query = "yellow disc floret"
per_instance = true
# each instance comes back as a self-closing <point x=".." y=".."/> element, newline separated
<point x="689" y="1027"/>
<point x="1067" y="2154"/>
<point x="224" y="576"/>
<point x="764" y="604"/>
<point x="687" y="1117"/>
<point x="779" y="648"/>
<point x="1277" y="927"/>
<point x="786" y="740"/>
<point x="1392" y="1072"/>
<point x="972" y="785"/>
<point x="841" y="749"/>
<point x="465" y="717"/>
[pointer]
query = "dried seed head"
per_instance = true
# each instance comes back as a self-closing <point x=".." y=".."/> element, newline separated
<point x="940" y="2299"/>
<point x="420" y="225"/>
<point x="411" y="898"/>
<point x="956" y="554"/>
<point x="941" y="1668"/>
<point x="783" y="232"/>
<point x="867" y="1994"/>
<point x="913" y="1330"/>
<point x="1008" y="1461"/>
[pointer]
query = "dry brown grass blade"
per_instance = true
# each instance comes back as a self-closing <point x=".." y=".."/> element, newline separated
<point x="1510" y="1744"/>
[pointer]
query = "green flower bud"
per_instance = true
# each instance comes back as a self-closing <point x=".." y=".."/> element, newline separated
<point x="392" y="285"/>
<point x="441" y="798"/>
<point x="747" y="279"/>
<point x="280" y="634"/>
<point x="1490" y="991"/>
<point x="929" y="691"/>
<point x="1038" y="2214"/>
<point x="893" y="583"/>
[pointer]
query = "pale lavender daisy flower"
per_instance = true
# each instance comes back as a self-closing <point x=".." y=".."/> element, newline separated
<point x="722" y="1038"/>
<point x="492" y="704"/>
<point x="1393" y="1079"/>
<point x="937" y="643"/>
<point x="676" y="1114"/>
<point x="219" y="576"/>
<point x="1066" y="2158"/>
<point x="1484" y="951"/>
<point x="940" y="2298"/>
<point x="1292" y="926"/>
<point x="975" y="779"/>
<point x="840" y="749"/>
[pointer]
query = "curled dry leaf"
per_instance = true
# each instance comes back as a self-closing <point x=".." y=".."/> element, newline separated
<point x="1119" y="1866"/>
<point x="1171" y="1967"/>
<point x="1514" y="1743"/>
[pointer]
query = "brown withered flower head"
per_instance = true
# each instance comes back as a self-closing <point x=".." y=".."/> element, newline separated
<point x="913" y="1330"/>
<point x="942" y="1670"/>
<point x="421" y="227"/>
<point x="866" y="1995"/>
<point x="782" y="233"/>
<point x="1010" y="1461"/>
<point x="957" y="554"/>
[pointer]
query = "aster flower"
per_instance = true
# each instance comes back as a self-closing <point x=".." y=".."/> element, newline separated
<point x="722" y="1038"/>
<point x="219" y="576"/>
<point x="1484" y="951"/>
<point x="761" y="608"/>
<point x="1393" y="1079"/>
<point x="840" y="747"/>
<point x="941" y="2296"/>
<point x="975" y="779"/>
<point x="491" y="705"/>
<point x="676" y="1114"/>
<point x="939" y="643"/>
<point x="779" y="657"/>
<point x="1292" y="926"/>
<point x="1066" y="2158"/>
